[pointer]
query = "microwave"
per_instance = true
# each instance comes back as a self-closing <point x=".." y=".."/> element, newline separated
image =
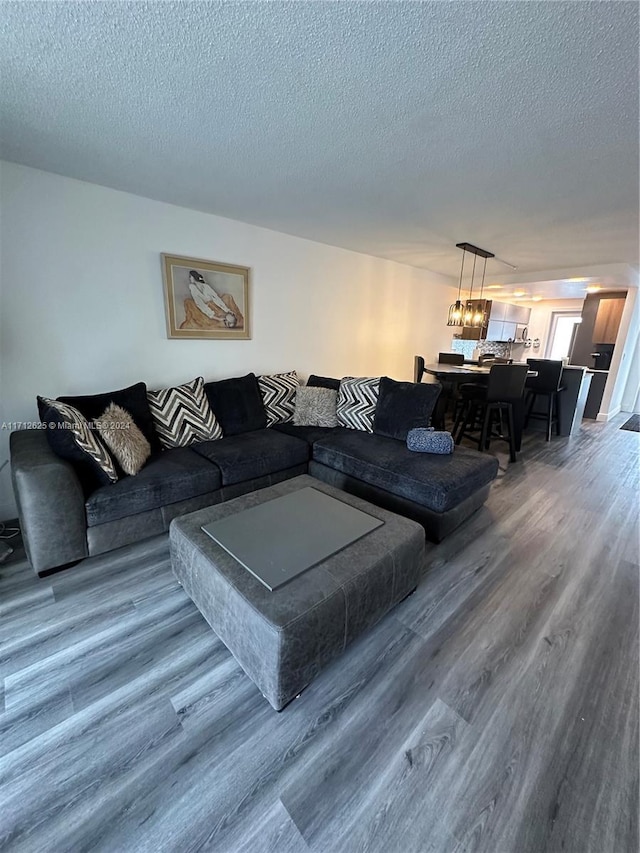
<point x="522" y="333"/>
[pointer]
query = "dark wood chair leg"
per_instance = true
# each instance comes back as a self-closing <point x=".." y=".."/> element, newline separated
<point x="532" y="400"/>
<point x="461" y="422"/>
<point x="437" y="418"/>
<point x="512" y="437"/>
<point x="483" y="443"/>
<point x="549" y="417"/>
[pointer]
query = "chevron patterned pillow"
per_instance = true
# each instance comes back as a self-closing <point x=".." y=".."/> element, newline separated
<point x="357" y="400"/>
<point x="74" y="429"/>
<point x="182" y="415"/>
<point x="279" y="396"/>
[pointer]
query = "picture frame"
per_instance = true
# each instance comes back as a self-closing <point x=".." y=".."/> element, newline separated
<point x="205" y="300"/>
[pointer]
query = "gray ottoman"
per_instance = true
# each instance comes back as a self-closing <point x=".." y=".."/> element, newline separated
<point x="282" y="639"/>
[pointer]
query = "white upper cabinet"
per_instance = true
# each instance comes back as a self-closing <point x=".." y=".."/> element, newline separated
<point x="504" y="318"/>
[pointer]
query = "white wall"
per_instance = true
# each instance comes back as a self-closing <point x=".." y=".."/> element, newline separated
<point x="81" y="299"/>
<point x="624" y="361"/>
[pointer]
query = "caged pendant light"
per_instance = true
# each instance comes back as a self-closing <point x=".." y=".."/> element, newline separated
<point x="467" y="313"/>
<point x="456" y="311"/>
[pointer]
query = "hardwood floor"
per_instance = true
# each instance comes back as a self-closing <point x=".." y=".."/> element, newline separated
<point x="494" y="710"/>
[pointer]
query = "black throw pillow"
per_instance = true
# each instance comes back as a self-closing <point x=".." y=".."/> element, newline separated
<point x="132" y="399"/>
<point x="323" y="382"/>
<point x="237" y="404"/>
<point x="81" y="446"/>
<point x="403" y="406"/>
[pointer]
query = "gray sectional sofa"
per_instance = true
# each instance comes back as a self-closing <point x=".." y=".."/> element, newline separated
<point x="63" y="520"/>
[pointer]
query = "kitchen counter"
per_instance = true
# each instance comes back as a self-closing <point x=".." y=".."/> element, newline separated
<point x="571" y="402"/>
<point x="596" y="392"/>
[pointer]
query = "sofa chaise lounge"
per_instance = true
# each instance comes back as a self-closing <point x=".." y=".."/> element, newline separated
<point x="63" y="521"/>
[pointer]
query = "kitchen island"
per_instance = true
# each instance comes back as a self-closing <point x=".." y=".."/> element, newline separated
<point x="576" y="381"/>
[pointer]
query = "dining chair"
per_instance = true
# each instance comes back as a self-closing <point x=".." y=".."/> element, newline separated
<point x="548" y="384"/>
<point x="418" y="368"/>
<point x="450" y="358"/>
<point x="488" y="404"/>
<point x="449" y="395"/>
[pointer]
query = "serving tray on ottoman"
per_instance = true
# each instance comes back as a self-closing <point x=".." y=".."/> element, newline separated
<point x="283" y="638"/>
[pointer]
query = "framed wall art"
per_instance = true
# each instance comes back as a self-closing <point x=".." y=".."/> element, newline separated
<point x="205" y="299"/>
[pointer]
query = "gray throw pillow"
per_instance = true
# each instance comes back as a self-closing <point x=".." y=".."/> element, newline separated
<point x="315" y="407"/>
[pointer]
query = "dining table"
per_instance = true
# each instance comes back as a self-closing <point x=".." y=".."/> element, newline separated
<point x="467" y="373"/>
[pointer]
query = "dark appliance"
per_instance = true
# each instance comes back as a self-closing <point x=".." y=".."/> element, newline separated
<point x="602" y="355"/>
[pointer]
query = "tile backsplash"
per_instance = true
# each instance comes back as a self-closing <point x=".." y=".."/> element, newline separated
<point x="496" y="347"/>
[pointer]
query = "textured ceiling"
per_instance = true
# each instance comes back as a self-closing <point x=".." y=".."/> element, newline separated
<point x="392" y="128"/>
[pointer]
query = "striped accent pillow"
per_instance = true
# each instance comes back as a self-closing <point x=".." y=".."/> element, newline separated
<point x="357" y="400"/>
<point x="279" y="396"/>
<point x="182" y="415"/>
<point x="85" y="439"/>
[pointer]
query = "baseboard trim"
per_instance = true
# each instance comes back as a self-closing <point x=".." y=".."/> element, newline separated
<point x="603" y="417"/>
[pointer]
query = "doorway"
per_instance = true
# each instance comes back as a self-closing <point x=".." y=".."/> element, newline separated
<point x="562" y="334"/>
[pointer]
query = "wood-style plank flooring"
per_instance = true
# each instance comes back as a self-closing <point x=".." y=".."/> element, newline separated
<point x="494" y="710"/>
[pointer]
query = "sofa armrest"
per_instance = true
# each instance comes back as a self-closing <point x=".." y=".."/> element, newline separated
<point x="50" y="502"/>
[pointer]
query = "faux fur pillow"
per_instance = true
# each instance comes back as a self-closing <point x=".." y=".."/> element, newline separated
<point x="316" y="407"/>
<point x="123" y="438"/>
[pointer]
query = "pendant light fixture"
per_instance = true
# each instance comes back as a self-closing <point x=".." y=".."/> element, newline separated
<point x="467" y="313"/>
<point x="456" y="310"/>
<point x="468" y="310"/>
<point x="479" y="315"/>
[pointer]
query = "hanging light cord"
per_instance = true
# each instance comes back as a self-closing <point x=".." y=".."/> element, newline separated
<point x="461" y="273"/>
<point x="473" y="275"/>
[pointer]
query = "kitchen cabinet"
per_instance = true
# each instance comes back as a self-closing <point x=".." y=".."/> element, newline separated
<point x="501" y="330"/>
<point x="504" y="319"/>
<point x="605" y="330"/>
<point x="494" y="330"/>
<point x="518" y="314"/>
<point x="498" y="311"/>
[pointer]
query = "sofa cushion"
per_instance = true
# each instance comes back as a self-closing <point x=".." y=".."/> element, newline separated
<point x="308" y="433"/>
<point x="323" y="382"/>
<point x="183" y="415"/>
<point x="170" y="476"/>
<point x="253" y="454"/>
<point x="436" y="482"/>
<point x="132" y="399"/>
<point x="403" y="406"/>
<point x="70" y="436"/>
<point x="279" y="395"/>
<point x="237" y="404"/>
<point x="357" y="400"/>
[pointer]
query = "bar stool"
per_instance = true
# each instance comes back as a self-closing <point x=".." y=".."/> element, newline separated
<point x="488" y="403"/>
<point x="545" y="384"/>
